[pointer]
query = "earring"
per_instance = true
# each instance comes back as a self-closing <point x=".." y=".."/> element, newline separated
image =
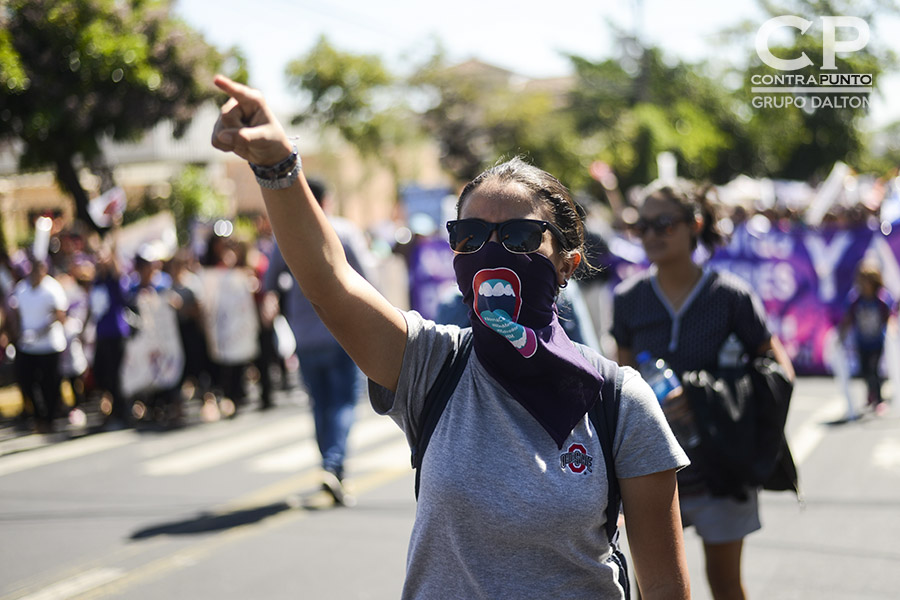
<point x="564" y="284"/>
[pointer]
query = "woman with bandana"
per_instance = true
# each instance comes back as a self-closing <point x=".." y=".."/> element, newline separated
<point x="500" y="514"/>
<point x="694" y="318"/>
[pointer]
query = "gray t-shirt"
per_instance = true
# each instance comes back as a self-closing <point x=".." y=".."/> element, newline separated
<point x="502" y="513"/>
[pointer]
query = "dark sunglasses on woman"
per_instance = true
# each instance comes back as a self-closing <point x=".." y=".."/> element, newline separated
<point x="661" y="225"/>
<point x="519" y="236"/>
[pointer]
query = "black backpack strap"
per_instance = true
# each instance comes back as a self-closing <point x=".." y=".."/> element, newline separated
<point x="436" y="400"/>
<point x="605" y="416"/>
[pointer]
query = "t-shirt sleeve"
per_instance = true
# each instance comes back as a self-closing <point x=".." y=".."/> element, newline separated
<point x="644" y="443"/>
<point x="428" y="345"/>
<point x="750" y="321"/>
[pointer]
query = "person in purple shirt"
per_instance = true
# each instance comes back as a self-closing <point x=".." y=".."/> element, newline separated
<point x="109" y="311"/>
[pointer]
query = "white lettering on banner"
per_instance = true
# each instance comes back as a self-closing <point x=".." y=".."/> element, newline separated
<point x="771" y="245"/>
<point x="770" y="281"/>
<point x="825" y="258"/>
<point x="783" y="281"/>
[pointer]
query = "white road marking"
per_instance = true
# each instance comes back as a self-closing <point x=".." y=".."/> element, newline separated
<point x="305" y="454"/>
<point x="65" y="451"/>
<point x="887" y="454"/>
<point x="233" y="447"/>
<point x="391" y="457"/>
<point x="69" y="588"/>
<point x="812" y="431"/>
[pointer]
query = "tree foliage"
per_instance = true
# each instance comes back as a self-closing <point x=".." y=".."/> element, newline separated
<point x="638" y="105"/>
<point x="622" y="111"/>
<point x="73" y="72"/>
<point x="479" y="114"/>
<point x="347" y="92"/>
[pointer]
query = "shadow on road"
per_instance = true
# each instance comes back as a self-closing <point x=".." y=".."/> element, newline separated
<point x="205" y="523"/>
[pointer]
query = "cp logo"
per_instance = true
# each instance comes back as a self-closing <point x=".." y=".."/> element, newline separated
<point x="830" y="45"/>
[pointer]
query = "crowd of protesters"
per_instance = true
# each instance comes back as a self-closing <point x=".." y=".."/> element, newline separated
<point x="68" y="315"/>
<point x="89" y="294"/>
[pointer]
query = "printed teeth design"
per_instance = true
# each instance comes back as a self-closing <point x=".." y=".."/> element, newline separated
<point x="498" y="289"/>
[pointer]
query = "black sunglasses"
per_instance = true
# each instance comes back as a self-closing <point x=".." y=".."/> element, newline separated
<point x="661" y="225"/>
<point x="519" y="236"/>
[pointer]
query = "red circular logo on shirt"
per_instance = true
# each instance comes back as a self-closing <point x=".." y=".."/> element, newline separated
<point x="576" y="458"/>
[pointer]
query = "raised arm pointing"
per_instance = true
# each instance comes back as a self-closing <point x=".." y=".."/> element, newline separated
<point x="369" y="328"/>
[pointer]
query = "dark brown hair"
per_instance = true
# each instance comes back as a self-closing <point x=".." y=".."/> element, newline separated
<point x="868" y="272"/>
<point x="566" y="213"/>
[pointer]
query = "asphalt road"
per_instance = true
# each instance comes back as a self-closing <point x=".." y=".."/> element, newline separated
<point x="211" y="511"/>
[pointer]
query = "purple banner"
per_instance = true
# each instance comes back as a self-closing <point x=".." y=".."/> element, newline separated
<point x="430" y="275"/>
<point x="802" y="276"/>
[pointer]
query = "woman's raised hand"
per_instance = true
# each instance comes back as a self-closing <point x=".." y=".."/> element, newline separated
<point x="247" y="127"/>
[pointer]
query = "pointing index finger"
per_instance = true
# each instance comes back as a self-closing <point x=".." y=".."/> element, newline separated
<point x="234" y="89"/>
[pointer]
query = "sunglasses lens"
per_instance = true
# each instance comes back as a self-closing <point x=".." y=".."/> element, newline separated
<point x="467" y="236"/>
<point x="660" y="225"/>
<point x="522" y="237"/>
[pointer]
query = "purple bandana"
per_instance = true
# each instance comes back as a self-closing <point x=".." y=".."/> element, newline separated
<point x="518" y="337"/>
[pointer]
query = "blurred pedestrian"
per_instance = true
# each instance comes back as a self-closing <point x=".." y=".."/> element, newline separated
<point x="231" y="318"/>
<point x="867" y="315"/>
<point x="684" y="313"/>
<point x="152" y="299"/>
<point x="255" y="264"/>
<point x="40" y="304"/>
<point x="330" y="375"/>
<point x="9" y="276"/>
<point x="196" y="378"/>
<point x="497" y="516"/>
<point x="111" y="314"/>
<point x="74" y="361"/>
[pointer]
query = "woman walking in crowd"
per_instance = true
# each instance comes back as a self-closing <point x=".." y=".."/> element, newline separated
<point x="684" y="313"/>
<point x="496" y="517"/>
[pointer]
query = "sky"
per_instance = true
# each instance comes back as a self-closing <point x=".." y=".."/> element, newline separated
<point x="527" y="37"/>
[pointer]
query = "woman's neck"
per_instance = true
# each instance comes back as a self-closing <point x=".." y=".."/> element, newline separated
<point x="676" y="279"/>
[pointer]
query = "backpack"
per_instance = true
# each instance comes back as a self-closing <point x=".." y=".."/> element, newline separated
<point x="604" y="416"/>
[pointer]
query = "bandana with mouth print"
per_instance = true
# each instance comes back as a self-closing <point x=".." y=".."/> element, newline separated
<point x="518" y="338"/>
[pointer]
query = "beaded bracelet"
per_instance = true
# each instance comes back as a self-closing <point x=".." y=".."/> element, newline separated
<point x="281" y="175"/>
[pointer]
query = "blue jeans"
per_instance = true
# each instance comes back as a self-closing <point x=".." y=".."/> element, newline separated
<point x="332" y="380"/>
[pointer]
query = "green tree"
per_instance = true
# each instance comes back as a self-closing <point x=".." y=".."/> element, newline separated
<point x="353" y="94"/>
<point x="635" y="106"/>
<point x="795" y="142"/>
<point x="479" y="114"/>
<point x="73" y="72"/>
<point x="475" y="115"/>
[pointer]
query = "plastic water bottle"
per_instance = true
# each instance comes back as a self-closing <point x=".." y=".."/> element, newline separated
<point x="663" y="382"/>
